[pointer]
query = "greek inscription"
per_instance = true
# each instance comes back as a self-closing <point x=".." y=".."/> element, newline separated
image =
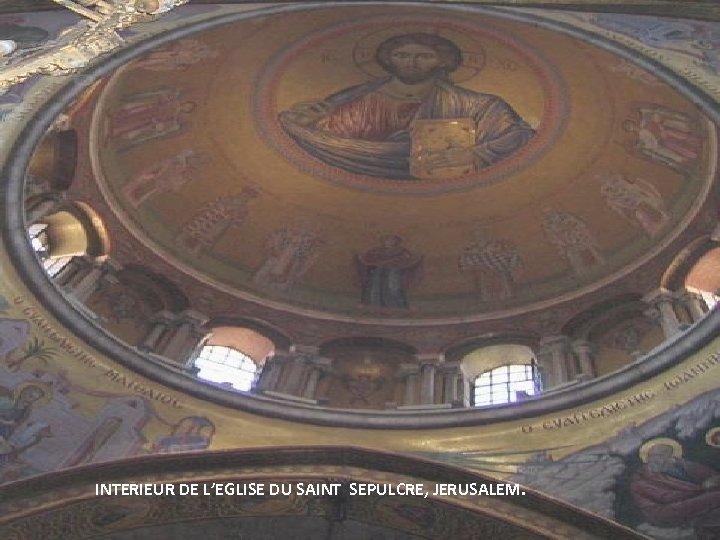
<point x="692" y="372"/>
<point x="581" y="417"/>
<point x="139" y="388"/>
<point x="52" y="334"/>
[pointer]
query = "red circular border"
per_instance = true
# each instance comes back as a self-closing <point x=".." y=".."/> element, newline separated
<point x="266" y="115"/>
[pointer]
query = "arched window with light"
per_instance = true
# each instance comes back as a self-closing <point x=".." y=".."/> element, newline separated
<point x="506" y="384"/>
<point x="500" y="373"/>
<point x="232" y="357"/>
<point x="38" y="235"/>
<point x="704" y="278"/>
<point x="76" y="230"/>
<point x="226" y="366"/>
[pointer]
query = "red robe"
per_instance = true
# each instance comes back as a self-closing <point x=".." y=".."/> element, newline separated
<point x="667" y="501"/>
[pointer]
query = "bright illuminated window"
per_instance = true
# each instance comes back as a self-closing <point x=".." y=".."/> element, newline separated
<point x="506" y="384"/>
<point x="704" y="277"/>
<point x="39" y="243"/>
<point x="226" y="365"/>
<point x="710" y="299"/>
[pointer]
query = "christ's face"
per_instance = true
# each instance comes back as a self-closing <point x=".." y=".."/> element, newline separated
<point x="414" y="63"/>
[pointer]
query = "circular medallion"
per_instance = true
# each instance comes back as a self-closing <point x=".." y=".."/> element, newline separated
<point x="426" y="107"/>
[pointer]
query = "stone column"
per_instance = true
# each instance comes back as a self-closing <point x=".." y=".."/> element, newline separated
<point x="72" y="271"/>
<point x="553" y="356"/>
<point x="285" y="374"/>
<point x="584" y="352"/>
<point x="317" y="366"/>
<point x="463" y="393"/>
<point x="298" y="369"/>
<point x="186" y="334"/>
<point x="47" y="204"/>
<point x="452" y="382"/>
<point x="466" y="385"/>
<point x="428" y="369"/>
<point x="295" y="375"/>
<point x="272" y="372"/>
<point x="693" y="302"/>
<point x="662" y="309"/>
<point x="410" y="375"/>
<point x="190" y="366"/>
<point x="102" y="268"/>
<point x="160" y="322"/>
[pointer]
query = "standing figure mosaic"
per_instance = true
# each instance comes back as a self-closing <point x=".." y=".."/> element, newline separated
<point x="573" y="239"/>
<point x="386" y="271"/>
<point x="168" y="175"/>
<point x="494" y="265"/>
<point x="212" y="221"/>
<point x="147" y="116"/>
<point x="665" y="136"/>
<point x="637" y="200"/>
<point x="290" y="253"/>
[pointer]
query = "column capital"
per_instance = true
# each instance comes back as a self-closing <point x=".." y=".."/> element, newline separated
<point x="686" y="293"/>
<point x="715" y="234"/>
<point x="108" y="263"/>
<point x="306" y="350"/>
<point x="54" y="195"/>
<point x="582" y="345"/>
<point x="554" y="356"/>
<point x="663" y="301"/>
<point x="660" y="294"/>
<point x="693" y="302"/>
<point x="279" y="357"/>
<point x="278" y="353"/>
<point x="41" y="205"/>
<point x="110" y="278"/>
<point x="433" y="359"/>
<point x="558" y="341"/>
<point x="194" y="317"/>
<point x="163" y="317"/>
<point x="322" y="362"/>
<point x="408" y="368"/>
<point x="449" y="366"/>
<point x="87" y="261"/>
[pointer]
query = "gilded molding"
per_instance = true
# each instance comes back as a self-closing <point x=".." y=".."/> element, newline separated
<point x="77" y="46"/>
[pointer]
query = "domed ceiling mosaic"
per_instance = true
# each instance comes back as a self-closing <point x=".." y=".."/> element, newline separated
<point x="397" y="163"/>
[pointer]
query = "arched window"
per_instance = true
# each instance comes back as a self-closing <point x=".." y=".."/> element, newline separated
<point x="704" y="277"/>
<point x="226" y="365"/>
<point x="74" y="231"/>
<point x="38" y="234"/>
<point x="500" y="373"/>
<point x="506" y="384"/>
<point x="711" y="299"/>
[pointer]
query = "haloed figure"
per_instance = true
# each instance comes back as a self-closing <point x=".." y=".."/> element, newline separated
<point x="673" y="492"/>
<point x="386" y="271"/>
<point x="367" y="129"/>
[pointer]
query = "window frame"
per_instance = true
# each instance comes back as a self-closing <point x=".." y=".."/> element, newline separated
<point x="220" y="359"/>
<point x="37" y="235"/>
<point x="488" y="394"/>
